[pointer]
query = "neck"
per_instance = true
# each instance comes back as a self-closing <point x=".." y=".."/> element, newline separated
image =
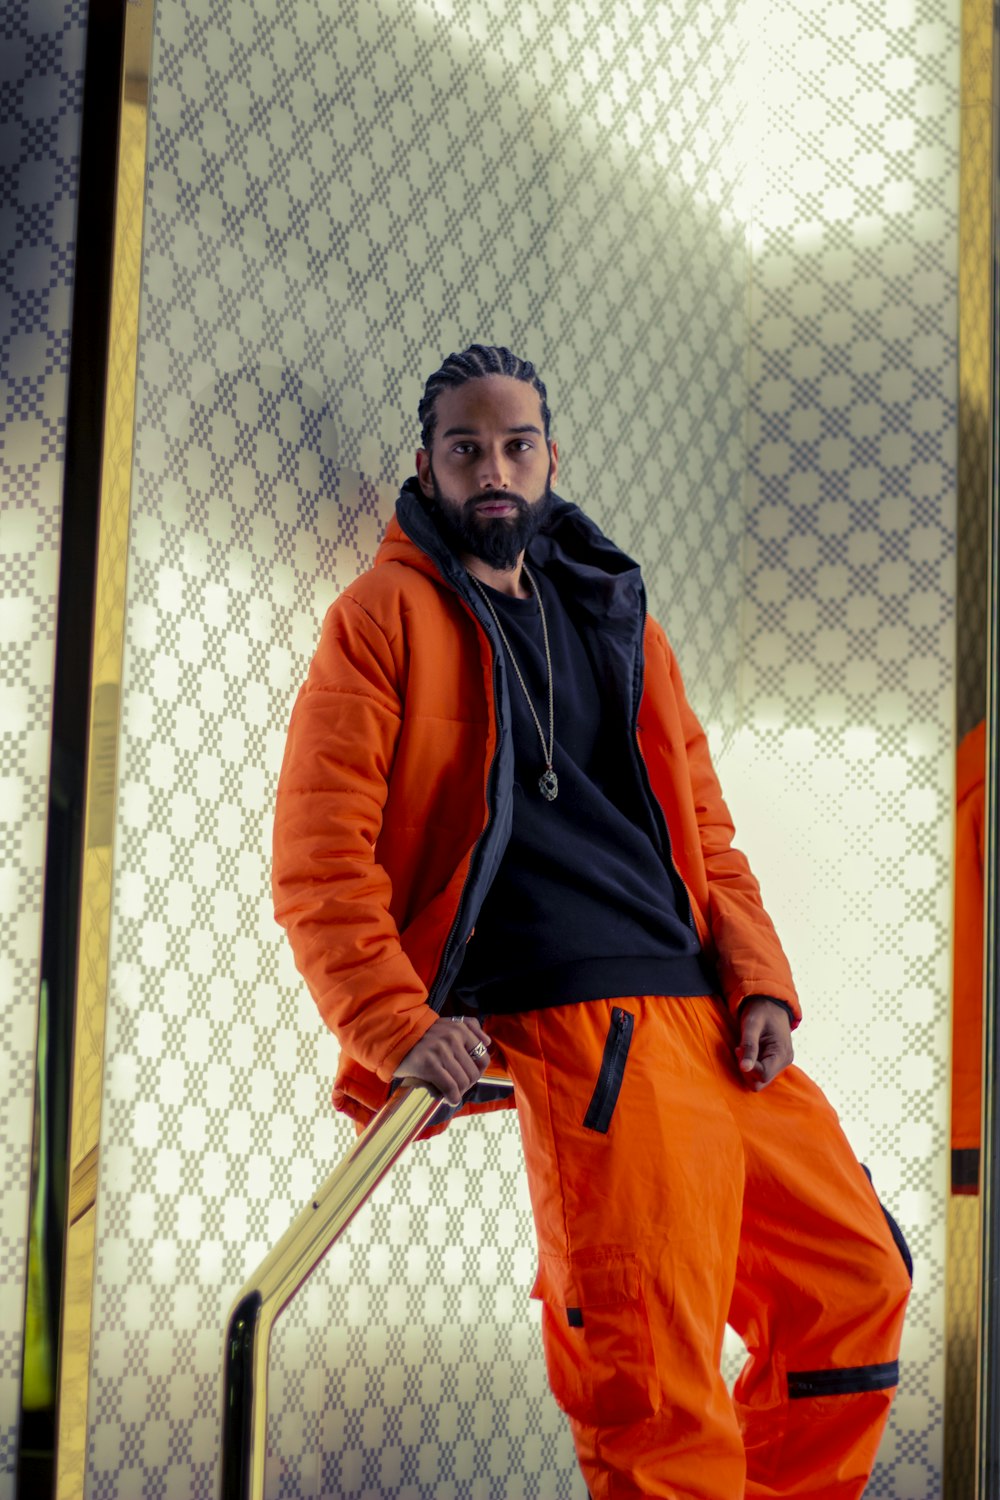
<point x="505" y="580"/>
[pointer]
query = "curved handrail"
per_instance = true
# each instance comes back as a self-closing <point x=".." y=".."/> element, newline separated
<point x="296" y="1255"/>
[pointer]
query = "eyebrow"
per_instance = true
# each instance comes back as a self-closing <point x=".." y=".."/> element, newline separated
<point x="474" y="432"/>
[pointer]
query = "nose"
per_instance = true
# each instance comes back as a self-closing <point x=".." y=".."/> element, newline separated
<point x="493" y="473"/>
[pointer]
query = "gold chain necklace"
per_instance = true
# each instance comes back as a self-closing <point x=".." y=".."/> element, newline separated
<point x="548" y="782"/>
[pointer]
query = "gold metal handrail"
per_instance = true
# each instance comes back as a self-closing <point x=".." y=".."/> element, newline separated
<point x="296" y="1255"/>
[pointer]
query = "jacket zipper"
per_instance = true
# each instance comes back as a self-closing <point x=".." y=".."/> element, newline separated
<point x="435" y="994"/>
<point x="609" y="1079"/>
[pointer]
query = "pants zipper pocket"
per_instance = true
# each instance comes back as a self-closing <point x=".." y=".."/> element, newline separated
<point x="609" y="1080"/>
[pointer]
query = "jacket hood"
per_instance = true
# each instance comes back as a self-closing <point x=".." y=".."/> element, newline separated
<point x="607" y="583"/>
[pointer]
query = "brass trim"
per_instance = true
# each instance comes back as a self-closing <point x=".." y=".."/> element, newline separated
<point x="286" y="1268"/>
<point x="74" y="1366"/>
<point x="102" y="753"/>
<point x="83" y="1186"/>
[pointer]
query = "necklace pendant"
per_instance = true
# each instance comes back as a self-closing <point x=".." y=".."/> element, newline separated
<point x="548" y="784"/>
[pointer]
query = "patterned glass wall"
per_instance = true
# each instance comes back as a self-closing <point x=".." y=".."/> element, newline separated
<point x="842" y="778"/>
<point x="41" y="78"/>
<point x="335" y="200"/>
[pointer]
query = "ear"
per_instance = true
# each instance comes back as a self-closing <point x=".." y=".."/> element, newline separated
<point x="554" y="457"/>
<point x="424" y="472"/>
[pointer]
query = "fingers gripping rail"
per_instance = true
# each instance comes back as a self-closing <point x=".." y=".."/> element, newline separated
<point x="293" y="1259"/>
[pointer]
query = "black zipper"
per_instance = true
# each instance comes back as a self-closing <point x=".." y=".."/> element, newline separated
<point x="453" y="576"/>
<point x="848" y="1381"/>
<point x="436" y="994"/>
<point x="609" y="1079"/>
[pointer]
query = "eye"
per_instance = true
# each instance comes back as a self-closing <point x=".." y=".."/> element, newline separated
<point x="522" y="445"/>
<point x="463" y="449"/>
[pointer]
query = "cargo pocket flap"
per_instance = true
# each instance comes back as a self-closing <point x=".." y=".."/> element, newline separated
<point x="598" y="1279"/>
<point x="595" y="1332"/>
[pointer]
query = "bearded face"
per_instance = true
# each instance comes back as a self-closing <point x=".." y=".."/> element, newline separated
<point x="488" y="474"/>
<point x="495" y="526"/>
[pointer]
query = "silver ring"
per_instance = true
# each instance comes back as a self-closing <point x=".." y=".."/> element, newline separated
<point x="478" y="1051"/>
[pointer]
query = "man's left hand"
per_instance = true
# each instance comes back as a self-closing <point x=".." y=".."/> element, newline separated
<point x="765" y="1047"/>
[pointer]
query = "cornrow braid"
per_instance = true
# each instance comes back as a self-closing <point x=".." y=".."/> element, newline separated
<point x="472" y="364"/>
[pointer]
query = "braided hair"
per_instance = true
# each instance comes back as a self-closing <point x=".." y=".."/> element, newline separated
<point x="472" y="364"/>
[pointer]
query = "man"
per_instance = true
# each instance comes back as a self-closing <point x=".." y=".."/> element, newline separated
<point x="496" y="803"/>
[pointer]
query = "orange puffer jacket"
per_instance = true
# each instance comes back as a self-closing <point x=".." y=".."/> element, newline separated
<point x="395" y="796"/>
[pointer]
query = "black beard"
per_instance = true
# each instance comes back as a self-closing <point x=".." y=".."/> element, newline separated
<point x="498" y="541"/>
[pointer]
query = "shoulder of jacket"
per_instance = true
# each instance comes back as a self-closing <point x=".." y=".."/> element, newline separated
<point x="390" y="590"/>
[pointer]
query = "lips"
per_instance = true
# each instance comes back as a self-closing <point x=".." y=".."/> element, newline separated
<point x="491" y="507"/>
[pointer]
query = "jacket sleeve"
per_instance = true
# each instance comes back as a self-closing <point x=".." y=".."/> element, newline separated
<point x="330" y="893"/>
<point x="748" y="955"/>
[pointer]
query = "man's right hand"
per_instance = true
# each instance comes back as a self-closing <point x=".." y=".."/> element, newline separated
<point x="443" y="1057"/>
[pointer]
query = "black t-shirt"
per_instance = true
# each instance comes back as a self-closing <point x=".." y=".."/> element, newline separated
<point x="583" y="906"/>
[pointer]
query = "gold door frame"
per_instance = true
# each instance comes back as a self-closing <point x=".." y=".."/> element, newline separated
<point x="90" y="1004"/>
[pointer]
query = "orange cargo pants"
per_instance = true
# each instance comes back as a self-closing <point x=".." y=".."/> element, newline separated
<point x="669" y="1199"/>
